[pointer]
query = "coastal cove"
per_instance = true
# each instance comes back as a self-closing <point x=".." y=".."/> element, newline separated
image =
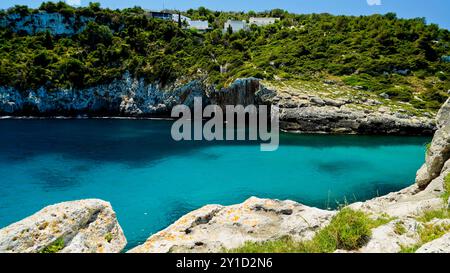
<point x="151" y="180"/>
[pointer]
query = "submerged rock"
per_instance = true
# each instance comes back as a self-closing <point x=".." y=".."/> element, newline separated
<point x="214" y="228"/>
<point x="84" y="226"/>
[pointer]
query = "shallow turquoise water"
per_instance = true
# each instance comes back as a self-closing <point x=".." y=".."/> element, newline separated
<point x="151" y="180"/>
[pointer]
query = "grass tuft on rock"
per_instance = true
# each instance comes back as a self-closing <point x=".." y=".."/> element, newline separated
<point x="54" y="247"/>
<point x="432" y="232"/>
<point x="348" y="230"/>
<point x="429" y="215"/>
<point x="409" y="249"/>
<point x="399" y="228"/>
<point x="108" y="237"/>
<point x="446" y="194"/>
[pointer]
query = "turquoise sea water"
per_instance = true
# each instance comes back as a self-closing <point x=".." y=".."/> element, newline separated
<point x="151" y="180"/>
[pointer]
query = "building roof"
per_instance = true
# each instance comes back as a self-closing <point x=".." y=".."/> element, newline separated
<point x="199" y="24"/>
<point x="263" y="20"/>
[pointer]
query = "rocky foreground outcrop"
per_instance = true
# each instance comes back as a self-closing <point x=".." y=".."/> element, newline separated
<point x="299" y="112"/>
<point x="214" y="228"/>
<point x="85" y="226"/>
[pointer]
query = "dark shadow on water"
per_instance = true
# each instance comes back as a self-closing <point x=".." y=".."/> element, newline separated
<point x="178" y="209"/>
<point x="138" y="142"/>
<point x="335" y="167"/>
<point x="132" y="142"/>
<point x="51" y="179"/>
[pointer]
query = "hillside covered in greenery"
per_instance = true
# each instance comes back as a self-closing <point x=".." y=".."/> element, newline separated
<point x="403" y="58"/>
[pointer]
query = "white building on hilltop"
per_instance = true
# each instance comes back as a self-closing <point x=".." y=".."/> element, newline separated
<point x="199" y="25"/>
<point x="235" y="25"/>
<point x="263" y="21"/>
<point x="180" y="18"/>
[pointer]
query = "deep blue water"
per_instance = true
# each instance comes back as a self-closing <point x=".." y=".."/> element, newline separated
<point x="151" y="180"/>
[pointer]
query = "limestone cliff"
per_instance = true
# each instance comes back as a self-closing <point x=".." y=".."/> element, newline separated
<point x="134" y="98"/>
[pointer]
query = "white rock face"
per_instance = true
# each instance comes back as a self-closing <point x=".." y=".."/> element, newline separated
<point x="126" y="96"/>
<point x="213" y="228"/>
<point x="85" y="226"/>
<point x="55" y="23"/>
<point x="441" y="245"/>
<point x="439" y="151"/>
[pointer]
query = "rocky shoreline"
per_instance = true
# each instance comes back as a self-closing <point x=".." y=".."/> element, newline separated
<point x="91" y="225"/>
<point x="129" y="97"/>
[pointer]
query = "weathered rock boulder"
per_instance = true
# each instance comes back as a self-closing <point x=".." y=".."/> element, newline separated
<point x="213" y="228"/>
<point x="84" y="226"/>
<point x="439" y="151"/>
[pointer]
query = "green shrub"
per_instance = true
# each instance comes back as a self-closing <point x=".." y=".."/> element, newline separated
<point x="401" y="93"/>
<point x="348" y="230"/>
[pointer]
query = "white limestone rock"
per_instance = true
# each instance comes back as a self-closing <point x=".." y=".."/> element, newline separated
<point x="439" y="152"/>
<point x="85" y="226"/>
<point x="213" y="228"/>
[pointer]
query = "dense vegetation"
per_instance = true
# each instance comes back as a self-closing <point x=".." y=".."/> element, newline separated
<point x="404" y="59"/>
